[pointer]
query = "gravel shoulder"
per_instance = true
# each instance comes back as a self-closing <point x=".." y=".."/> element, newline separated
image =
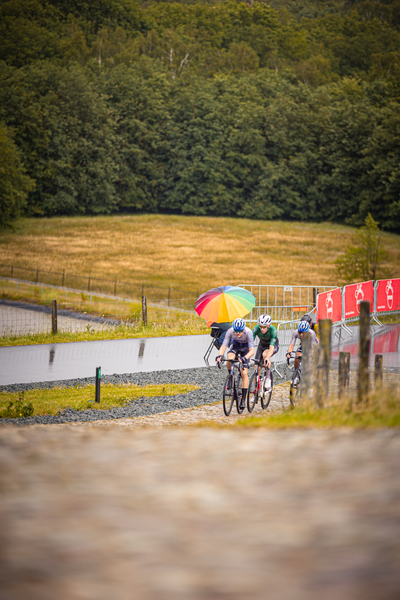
<point x="209" y="380"/>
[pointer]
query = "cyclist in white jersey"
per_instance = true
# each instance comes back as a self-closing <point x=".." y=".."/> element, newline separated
<point x="242" y="347"/>
<point x="297" y="335"/>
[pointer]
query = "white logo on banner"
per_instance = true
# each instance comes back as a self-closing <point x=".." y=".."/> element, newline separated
<point x="389" y="294"/>
<point x="329" y="305"/>
<point x="359" y="293"/>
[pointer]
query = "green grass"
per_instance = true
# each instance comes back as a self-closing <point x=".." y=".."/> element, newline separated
<point x="381" y="410"/>
<point x="136" y="330"/>
<point x="52" y="401"/>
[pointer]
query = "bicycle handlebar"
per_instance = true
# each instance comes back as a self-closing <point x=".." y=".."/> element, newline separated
<point x="232" y="360"/>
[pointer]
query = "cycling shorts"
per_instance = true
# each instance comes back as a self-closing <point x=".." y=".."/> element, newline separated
<point x="262" y="347"/>
<point x="238" y="349"/>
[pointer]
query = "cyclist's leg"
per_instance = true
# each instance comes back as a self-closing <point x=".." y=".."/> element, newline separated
<point x="245" y="378"/>
<point x="268" y="380"/>
<point x="298" y="357"/>
<point x="230" y="356"/>
<point x="260" y="350"/>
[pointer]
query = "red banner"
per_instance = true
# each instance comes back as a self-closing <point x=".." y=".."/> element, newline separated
<point x="356" y="293"/>
<point x="329" y="305"/>
<point x="388" y="295"/>
<point x="387" y="341"/>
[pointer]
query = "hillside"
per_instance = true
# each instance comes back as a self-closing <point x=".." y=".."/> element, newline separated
<point x="187" y="253"/>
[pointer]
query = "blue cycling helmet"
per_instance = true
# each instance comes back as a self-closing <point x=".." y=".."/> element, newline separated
<point x="303" y="326"/>
<point x="238" y="325"/>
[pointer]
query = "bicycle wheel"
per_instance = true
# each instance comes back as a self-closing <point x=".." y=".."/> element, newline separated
<point x="228" y="394"/>
<point x="239" y="394"/>
<point x="252" y="396"/>
<point x="266" y="394"/>
<point x="294" y="392"/>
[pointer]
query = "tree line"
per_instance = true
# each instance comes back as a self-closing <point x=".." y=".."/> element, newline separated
<point x="276" y="109"/>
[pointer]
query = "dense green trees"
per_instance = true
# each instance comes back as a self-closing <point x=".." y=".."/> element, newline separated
<point x="14" y="183"/>
<point x="263" y="110"/>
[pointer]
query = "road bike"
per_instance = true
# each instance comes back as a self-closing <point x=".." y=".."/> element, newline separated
<point x="232" y="387"/>
<point x="295" y="384"/>
<point x="258" y="386"/>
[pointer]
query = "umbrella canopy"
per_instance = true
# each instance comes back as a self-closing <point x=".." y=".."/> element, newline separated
<point x="224" y="303"/>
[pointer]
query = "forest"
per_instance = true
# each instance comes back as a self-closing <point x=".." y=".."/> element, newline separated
<point x="264" y="110"/>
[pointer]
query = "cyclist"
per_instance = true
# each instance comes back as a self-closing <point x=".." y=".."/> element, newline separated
<point x="242" y="347"/>
<point x="268" y="344"/>
<point x="309" y="320"/>
<point x="302" y="327"/>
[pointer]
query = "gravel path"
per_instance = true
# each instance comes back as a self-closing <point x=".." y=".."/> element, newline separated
<point x="210" y="382"/>
<point x="99" y="512"/>
<point x="145" y="507"/>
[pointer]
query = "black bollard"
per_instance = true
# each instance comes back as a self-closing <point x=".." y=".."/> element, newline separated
<point x="98" y="379"/>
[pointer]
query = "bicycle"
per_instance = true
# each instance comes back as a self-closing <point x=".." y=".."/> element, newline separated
<point x="232" y="387"/>
<point x="295" y="384"/>
<point x="258" y="387"/>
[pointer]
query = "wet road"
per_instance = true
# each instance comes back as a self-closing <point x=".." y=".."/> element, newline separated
<point x="53" y="362"/>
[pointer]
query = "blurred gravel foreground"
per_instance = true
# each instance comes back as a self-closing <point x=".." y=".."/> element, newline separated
<point x="198" y="513"/>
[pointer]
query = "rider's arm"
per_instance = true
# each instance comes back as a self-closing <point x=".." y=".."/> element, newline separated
<point x="221" y="351"/>
<point x="292" y="342"/>
<point x="250" y="353"/>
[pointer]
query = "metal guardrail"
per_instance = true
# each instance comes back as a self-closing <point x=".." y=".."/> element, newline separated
<point x="283" y="302"/>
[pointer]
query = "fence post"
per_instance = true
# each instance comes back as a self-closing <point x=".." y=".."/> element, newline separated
<point x="37" y="275"/>
<point x="314" y="296"/>
<point x="115" y="287"/>
<point x="144" y="310"/>
<point x="378" y="370"/>
<point x="63" y="279"/>
<point x="324" y="358"/>
<point x="363" y="352"/>
<point x="98" y="379"/>
<point x="169" y="300"/>
<point x="88" y="285"/>
<point x="344" y="369"/>
<point x="306" y="368"/>
<point x="12" y="270"/>
<point x="54" y="317"/>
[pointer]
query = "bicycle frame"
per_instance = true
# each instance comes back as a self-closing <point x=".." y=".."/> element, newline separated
<point x="295" y="383"/>
<point x="232" y="392"/>
<point x="259" y="390"/>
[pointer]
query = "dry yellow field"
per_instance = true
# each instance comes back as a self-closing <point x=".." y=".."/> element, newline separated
<point x="191" y="253"/>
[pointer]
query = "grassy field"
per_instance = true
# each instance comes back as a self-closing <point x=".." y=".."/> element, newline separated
<point x="123" y="332"/>
<point x="52" y="401"/>
<point x="189" y="253"/>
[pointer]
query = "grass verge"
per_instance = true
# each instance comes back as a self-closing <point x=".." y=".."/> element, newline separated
<point x="53" y="401"/>
<point x="134" y="330"/>
<point x="382" y="409"/>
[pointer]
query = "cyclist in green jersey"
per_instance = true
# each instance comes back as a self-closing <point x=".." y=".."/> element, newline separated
<point x="268" y="344"/>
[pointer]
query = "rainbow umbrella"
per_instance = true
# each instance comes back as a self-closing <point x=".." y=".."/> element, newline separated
<point x="224" y="303"/>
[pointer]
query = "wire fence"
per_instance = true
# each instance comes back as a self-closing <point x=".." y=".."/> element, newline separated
<point x="96" y="285"/>
<point x="78" y="310"/>
<point x="18" y="320"/>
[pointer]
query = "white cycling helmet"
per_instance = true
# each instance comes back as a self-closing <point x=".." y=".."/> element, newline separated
<point x="264" y="320"/>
